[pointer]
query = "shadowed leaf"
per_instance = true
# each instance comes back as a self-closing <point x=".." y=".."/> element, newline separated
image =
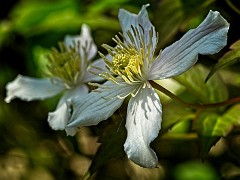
<point x="230" y="58"/>
<point x="111" y="147"/>
<point x="174" y="113"/>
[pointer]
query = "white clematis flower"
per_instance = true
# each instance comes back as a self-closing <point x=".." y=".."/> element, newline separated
<point x="69" y="69"/>
<point x="132" y="65"/>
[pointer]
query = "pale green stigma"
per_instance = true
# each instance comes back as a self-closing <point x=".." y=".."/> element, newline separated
<point x="65" y="64"/>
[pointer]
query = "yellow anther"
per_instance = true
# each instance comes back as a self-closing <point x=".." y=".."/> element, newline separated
<point x="131" y="57"/>
<point x="127" y="64"/>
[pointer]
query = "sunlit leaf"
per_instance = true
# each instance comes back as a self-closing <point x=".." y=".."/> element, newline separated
<point x="204" y="124"/>
<point x="30" y="13"/>
<point x="230" y="58"/>
<point x="213" y="91"/>
<point x="35" y="17"/>
<point x="211" y="126"/>
<point x="227" y="121"/>
<point x="195" y="170"/>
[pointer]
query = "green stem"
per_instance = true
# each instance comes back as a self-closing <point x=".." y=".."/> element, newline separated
<point x="195" y="106"/>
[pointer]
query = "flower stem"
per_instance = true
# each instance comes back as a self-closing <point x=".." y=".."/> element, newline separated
<point x="195" y="106"/>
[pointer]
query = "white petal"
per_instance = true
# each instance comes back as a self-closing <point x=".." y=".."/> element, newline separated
<point x="91" y="74"/>
<point x="60" y="117"/>
<point x="208" y="38"/>
<point x="78" y="91"/>
<point x="127" y="20"/>
<point x="98" y="106"/>
<point x="144" y="116"/>
<point x="71" y="131"/>
<point x="28" y="88"/>
<point x="85" y="40"/>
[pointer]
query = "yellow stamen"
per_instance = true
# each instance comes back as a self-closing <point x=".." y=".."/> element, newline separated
<point x="131" y="57"/>
<point x="127" y="65"/>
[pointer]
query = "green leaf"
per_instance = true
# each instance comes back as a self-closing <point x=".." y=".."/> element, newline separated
<point x="213" y="91"/>
<point x="186" y="14"/>
<point x="229" y="58"/>
<point x="210" y="126"/>
<point x="204" y="124"/>
<point x="28" y="14"/>
<point x="194" y="12"/>
<point x="32" y="17"/>
<point x="181" y="113"/>
<point x="195" y="170"/>
<point x="168" y="24"/>
<point x="112" y="140"/>
<point x="227" y="121"/>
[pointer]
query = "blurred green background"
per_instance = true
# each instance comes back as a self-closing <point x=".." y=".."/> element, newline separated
<point x="29" y="149"/>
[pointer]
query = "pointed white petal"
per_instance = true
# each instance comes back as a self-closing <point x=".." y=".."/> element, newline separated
<point x="141" y="22"/>
<point x="208" y="38"/>
<point x="85" y="40"/>
<point x="28" y="88"/>
<point x="98" y="106"/>
<point x="71" y="131"/>
<point x="144" y="116"/>
<point x="91" y="74"/>
<point x="60" y="117"/>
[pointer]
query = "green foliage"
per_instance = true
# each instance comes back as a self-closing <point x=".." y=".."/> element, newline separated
<point x="181" y="113"/>
<point x="196" y="171"/>
<point x="112" y="140"/>
<point x="228" y="59"/>
<point x="167" y="29"/>
<point x="31" y="150"/>
<point x="213" y="91"/>
<point x="178" y="15"/>
<point x="211" y="126"/>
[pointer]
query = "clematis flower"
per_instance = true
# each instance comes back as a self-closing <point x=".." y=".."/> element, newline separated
<point x="69" y="68"/>
<point x="131" y="68"/>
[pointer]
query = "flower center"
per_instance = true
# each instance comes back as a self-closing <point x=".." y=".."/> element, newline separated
<point x="65" y="64"/>
<point x="127" y="62"/>
<point x="132" y="57"/>
<point x="127" y="65"/>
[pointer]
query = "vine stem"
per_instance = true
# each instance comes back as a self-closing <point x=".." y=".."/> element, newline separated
<point x="195" y="106"/>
